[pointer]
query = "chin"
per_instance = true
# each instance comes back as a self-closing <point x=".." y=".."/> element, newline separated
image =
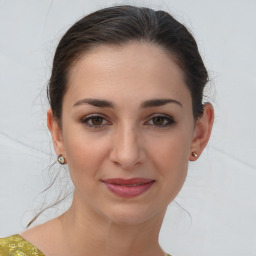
<point x="129" y="215"/>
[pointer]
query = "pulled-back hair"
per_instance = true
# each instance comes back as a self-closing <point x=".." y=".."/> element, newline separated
<point x="119" y="25"/>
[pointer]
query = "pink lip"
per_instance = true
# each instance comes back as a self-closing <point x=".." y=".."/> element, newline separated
<point x="128" y="188"/>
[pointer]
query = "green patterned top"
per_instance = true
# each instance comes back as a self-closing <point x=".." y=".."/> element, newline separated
<point x="17" y="246"/>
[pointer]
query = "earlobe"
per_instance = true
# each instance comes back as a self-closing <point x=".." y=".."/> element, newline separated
<point x="202" y="131"/>
<point x="56" y="133"/>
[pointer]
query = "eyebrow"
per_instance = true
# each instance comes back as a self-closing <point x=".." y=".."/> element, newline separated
<point x="159" y="102"/>
<point x="108" y="104"/>
<point x="95" y="102"/>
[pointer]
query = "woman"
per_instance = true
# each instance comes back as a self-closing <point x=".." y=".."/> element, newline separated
<point x="126" y="116"/>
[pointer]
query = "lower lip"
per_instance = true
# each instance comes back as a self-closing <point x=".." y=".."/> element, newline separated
<point x="128" y="191"/>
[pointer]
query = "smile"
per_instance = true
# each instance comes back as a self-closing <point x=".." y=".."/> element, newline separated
<point x="128" y="188"/>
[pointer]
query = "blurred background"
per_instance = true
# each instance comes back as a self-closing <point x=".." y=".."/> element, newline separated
<point x="215" y="212"/>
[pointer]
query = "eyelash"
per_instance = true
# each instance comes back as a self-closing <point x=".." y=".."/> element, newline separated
<point x="167" y="119"/>
<point x="90" y="118"/>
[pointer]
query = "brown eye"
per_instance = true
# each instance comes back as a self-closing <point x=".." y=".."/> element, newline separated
<point x="158" y="120"/>
<point x="96" y="120"/>
<point x="161" y="121"/>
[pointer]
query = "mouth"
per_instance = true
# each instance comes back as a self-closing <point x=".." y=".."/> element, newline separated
<point x="128" y="188"/>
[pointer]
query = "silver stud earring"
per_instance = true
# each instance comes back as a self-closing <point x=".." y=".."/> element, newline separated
<point x="194" y="154"/>
<point x="61" y="159"/>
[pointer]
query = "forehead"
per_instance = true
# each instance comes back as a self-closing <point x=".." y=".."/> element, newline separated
<point x="132" y="70"/>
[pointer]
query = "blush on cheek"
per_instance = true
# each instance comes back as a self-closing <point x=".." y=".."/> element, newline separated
<point x="172" y="167"/>
<point x="85" y="154"/>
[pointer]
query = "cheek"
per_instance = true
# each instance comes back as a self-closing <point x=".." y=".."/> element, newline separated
<point x="171" y="161"/>
<point x="85" y="154"/>
<point x="172" y="152"/>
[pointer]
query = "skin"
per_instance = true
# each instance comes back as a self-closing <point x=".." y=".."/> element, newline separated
<point x="129" y="142"/>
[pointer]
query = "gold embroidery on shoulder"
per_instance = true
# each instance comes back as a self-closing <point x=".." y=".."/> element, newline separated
<point x="16" y="246"/>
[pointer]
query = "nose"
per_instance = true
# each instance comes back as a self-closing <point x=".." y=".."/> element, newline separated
<point x="127" y="150"/>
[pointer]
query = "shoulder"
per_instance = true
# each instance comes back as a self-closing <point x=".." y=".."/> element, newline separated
<point x="16" y="245"/>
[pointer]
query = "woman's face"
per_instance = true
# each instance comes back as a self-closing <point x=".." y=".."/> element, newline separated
<point x="127" y="131"/>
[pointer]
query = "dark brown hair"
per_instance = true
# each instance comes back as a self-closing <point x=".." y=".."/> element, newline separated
<point x="119" y="25"/>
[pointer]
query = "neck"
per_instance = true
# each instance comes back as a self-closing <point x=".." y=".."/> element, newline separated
<point x="88" y="233"/>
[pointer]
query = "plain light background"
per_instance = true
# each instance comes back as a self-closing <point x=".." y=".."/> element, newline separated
<point x="219" y="215"/>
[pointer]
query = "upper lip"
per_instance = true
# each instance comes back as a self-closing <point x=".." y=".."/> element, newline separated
<point x="120" y="181"/>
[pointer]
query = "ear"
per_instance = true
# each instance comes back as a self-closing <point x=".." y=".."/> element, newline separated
<point x="202" y="131"/>
<point x="56" y="133"/>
